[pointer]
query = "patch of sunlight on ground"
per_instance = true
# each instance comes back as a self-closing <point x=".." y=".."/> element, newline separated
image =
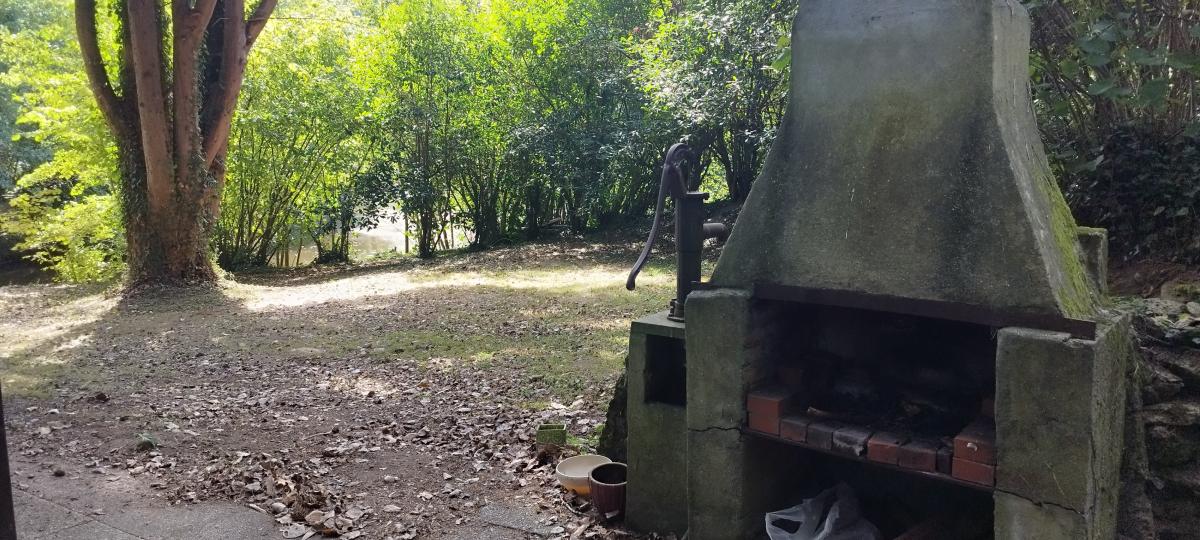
<point x="21" y="334"/>
<point x="33" y="338"/>
<point x="359" y="384"/>
<point x="566" y="279"/>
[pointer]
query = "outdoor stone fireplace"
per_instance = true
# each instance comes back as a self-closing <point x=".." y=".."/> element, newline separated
<point x="905" y="305"/>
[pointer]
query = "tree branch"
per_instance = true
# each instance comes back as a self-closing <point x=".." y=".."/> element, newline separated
<point x="204" y="8"/>
<point x="146" y="41"/>
<point x="258" y="20"/>
<point x="229" y="80"/>
<point x="196" y="17"/>
<point x="190" y="24"/>
<point x="238" y="36"/>
<point x="93" y="62"/>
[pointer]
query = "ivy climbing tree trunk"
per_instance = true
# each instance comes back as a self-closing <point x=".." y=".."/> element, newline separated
<point x="171" y="120"/>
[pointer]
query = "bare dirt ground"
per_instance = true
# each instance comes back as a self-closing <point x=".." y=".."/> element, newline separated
<point x="389" y="400"/>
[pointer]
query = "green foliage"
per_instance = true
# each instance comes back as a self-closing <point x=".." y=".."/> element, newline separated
<point x="1146" y="194"/>
<point x="81" y="241"/>
<point x="62" y="204"/>
<point x="589" y="144"/>
<point x="1115" y="88"/>
<point x="426" y="71"/>
<point x="501" y="118"/>
<point x="1099" y="66"/>
<point x="18" y="155"/>
<point x="719" y="69"/>
<point x="296" y="141"/>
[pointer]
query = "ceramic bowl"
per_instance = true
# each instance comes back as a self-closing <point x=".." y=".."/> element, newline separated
<point x="573" y="472"/>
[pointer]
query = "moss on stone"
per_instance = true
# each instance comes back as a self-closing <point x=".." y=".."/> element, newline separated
<point x="1076" y="295"/>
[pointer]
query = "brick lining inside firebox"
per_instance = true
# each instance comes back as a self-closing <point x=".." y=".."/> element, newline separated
<point x="909" y="399"/>
<point x="852" y="376"/>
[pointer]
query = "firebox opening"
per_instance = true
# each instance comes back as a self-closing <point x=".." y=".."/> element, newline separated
<point x="917" y="376"/>
<point x="900" y="505"/>
<point x="666" y="370"/>
<point x="898" y="407"/>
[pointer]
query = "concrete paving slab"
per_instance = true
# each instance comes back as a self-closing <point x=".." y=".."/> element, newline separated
<point x="488" y="532"/>
<point x="90" y="530"/>
<point x="53" y="508"/>
<point x="520" y="519"/>
<point x="38" y="517"/>
<point x="207" y="521"/>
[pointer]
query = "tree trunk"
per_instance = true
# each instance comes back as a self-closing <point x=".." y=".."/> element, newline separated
<point x="171" y="123"/>
<point x="533" y="210"/>
<point x="425" y="236"/>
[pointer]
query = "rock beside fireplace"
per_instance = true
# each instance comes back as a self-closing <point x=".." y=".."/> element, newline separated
<point x="1170" y="379"/>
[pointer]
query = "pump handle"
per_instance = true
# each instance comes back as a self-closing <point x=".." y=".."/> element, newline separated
<point x="674" y="184"/>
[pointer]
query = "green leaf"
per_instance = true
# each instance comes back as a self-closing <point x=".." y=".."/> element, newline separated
<point x="1183" y="212"/>
<point x="1143" y="57"/>
<point x="1102" y="87"/>
<point x="1183" y="61"/>
<point x="1087" y="166"/>
<point x="1153" y="93"/>
<point x="1106" y="30"/>
<point x="1094" y="45"/>
<point x="783" y="61"/>
<point x="1097" y="60"/>
<point x="1070" y="68"/>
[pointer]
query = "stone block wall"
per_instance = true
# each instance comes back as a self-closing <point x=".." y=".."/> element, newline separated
<point x="1162" y="498"/>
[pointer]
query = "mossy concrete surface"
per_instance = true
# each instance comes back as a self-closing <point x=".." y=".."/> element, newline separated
<point x="909" y="164"/>
<point x="1060" y="410"/>
<point x="1094" y="242"/>
<point x="656" y="494"/>
<point x="733" y="479"/>
<point x="1019" y="519"/>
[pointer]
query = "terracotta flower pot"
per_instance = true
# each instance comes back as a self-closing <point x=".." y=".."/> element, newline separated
<point x="607" y="483"/>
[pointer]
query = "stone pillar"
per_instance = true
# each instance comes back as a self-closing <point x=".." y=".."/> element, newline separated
<point x="656" y="492"/>
<point x="733" y="479"/>
<point x="1059" y="424"/>
<point x="1094" y="243"/>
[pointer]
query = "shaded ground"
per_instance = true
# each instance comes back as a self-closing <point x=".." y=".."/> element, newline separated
<point x="402" y="397"/>
<point x="1147" y="277"/>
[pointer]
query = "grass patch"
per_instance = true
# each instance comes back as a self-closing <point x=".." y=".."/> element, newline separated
<point x="558" y="314"/>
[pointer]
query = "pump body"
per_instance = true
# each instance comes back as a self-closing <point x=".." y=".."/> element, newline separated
<point x="690" y="228"/>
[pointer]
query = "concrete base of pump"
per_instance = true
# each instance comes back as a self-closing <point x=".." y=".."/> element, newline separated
<point x="656" y="413"/>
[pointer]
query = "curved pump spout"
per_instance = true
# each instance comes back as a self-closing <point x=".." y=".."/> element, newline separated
<point x="690" y="229"/>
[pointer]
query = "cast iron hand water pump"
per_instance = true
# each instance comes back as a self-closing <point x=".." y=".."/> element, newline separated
<point x="690" y="229"/>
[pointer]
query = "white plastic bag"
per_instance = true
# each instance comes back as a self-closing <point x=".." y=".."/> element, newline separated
<point x="832" y="515"/>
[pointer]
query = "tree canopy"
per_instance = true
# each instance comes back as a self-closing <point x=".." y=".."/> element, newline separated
<point x="473" y="123"/>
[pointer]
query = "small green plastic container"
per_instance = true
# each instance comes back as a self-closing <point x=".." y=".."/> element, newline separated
<point x="552" y="434"/>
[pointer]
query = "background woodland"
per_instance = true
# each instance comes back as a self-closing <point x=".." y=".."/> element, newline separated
<point x="476" y="123"/>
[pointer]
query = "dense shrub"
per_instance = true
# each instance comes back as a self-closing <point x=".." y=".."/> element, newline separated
<point x="1115" y="86"/>
<point x="1146" y="192"/>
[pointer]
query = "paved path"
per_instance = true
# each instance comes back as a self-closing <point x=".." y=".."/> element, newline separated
<point x="77" y="508"/>
<point x="63" y="509"/>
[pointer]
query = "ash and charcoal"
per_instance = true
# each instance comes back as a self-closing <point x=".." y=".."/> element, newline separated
<point x="906" y="374"/>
